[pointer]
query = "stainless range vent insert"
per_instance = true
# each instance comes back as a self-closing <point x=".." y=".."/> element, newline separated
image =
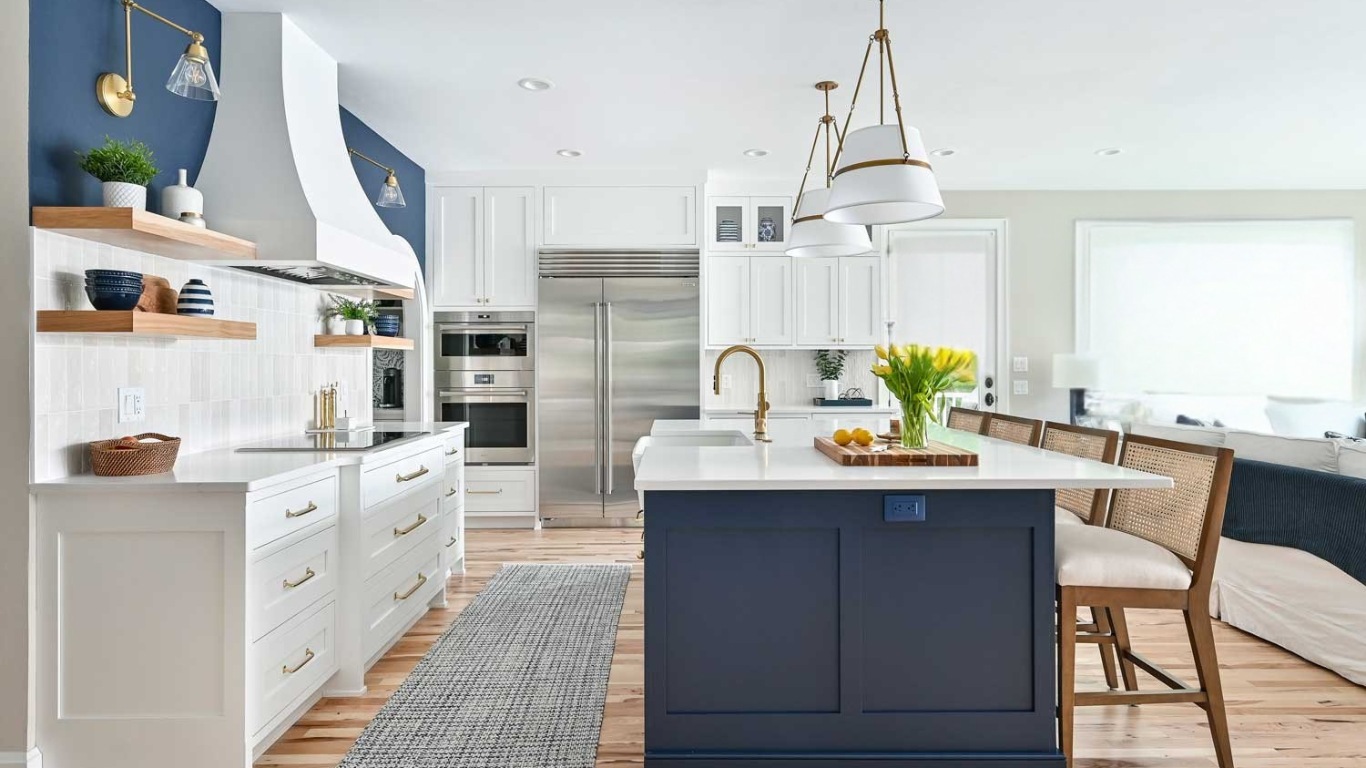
<point x="635" y="263"/>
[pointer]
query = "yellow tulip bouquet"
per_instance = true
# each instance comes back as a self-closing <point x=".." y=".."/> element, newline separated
<point x="917" y="375"/>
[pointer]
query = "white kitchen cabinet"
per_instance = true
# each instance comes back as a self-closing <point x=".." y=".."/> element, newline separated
<point x="748" y="223"/>
<point x="483" y="248"/>
<point x="839" y="301"/>
<point x="860" y="301"/>
<point x="620" y="217"/>
<point x="749" y="301"/>
<point x="818" y="301"/>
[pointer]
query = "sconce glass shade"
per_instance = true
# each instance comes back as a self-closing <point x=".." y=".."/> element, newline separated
<point x="193" y="76"/>
<point x="390" y="194"/>
<point x="873" y="186"/>
<point x="819" y="237"/>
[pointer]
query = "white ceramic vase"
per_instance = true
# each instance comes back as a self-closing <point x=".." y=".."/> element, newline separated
<point x="334" y="326"/>
<point x="832" y="389"/>
<point x="355" y="327"/>
<point x="121" y="194"/>
<point x="181" y="198"/>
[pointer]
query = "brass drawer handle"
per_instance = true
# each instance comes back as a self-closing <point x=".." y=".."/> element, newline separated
<point x="405" y="531"/>
<point x="454" y="490"/>
<point x="421" y="579"/>
<point x="450" y="543"/>
<point x="308" y="574"/>
<point x="310" y="508"/>
<point x="486" y="493"/>
<point x="453" y="452"/>
<point x="421" y="470"/>
<point x="308" y="656"/>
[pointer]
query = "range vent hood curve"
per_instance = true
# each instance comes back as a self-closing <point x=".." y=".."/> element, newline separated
<point x="277" y="170"/>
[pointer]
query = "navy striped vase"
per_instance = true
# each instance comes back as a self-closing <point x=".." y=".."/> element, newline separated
<point x="195" y="299"/>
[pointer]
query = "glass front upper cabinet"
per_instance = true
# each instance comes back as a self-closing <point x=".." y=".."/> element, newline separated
<point x="748" y="223"/>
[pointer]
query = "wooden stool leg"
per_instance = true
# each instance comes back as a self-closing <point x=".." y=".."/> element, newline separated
<point x="1101" y="618"/>
<point x="1067" y="669"/>
<point x="1201" y="631"/>
<point x="1122" y="647"/>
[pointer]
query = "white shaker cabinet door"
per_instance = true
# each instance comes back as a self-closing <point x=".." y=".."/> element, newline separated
<point x="510" y="247"/>
<point x="620" y="216"/>
<point x="456" y="271"/>
<point x="770" y="291"/>
<point x="818" y="301"/>
<point x="860" y="300"/>
<point x="728" y="312"/>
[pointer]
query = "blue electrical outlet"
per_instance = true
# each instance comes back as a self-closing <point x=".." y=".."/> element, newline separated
<point x="903" y="509"/>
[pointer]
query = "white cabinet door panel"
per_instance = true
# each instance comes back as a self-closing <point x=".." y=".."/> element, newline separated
<point x="620" y="216"/>
<point x="771" y="314"/>
<point x="728" y="312"/>
<point x="818" y="298"/>
<point x="510" y="247"/>
<point x="860" y="300"/>
<point x="458" y="246"/>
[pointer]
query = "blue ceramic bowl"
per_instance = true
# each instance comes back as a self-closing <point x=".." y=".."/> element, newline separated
<point x="106" y="299"/>
<point x="118" y="273"/>
<point x="114" y="284"/>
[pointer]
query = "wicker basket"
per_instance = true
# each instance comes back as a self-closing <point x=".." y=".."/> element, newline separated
<point x="145" y="459"/>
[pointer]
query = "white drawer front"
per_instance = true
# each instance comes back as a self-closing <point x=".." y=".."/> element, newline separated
<point x="399" y="593"/>
<point x="290" y="663"/>
<point x="383" y="482"/>
<point x="500" y="491"/>
<point x="282" y="585"/>
<point x="276" y="514"/>
<point x="392" y="530"/>
<point x="454" y="449"/>
<point x="449" y="539"/>
<point x="453" y="490"/>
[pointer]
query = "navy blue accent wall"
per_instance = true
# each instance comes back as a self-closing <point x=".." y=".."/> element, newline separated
<point x="409" y="222"/>
<point x="71" y="42"/>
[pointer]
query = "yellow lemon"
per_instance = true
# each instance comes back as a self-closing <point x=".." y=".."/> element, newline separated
<point x="863" y="437"/>
<point x="842" y="437"/>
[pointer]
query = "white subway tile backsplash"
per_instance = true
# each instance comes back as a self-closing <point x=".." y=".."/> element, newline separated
<point x="209" y="393"/>
<point x="787" y="371"/>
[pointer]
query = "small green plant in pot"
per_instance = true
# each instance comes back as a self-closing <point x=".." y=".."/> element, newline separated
<point x="124" y="168"/>
<point x="830" y="366"/>
<point x="357" y="315"/>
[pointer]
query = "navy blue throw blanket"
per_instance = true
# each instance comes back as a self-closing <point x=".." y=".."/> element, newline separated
<point x="1321" y="513"/>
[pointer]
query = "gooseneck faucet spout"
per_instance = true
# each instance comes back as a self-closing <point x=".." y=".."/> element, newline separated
<point x="761" y="413"/>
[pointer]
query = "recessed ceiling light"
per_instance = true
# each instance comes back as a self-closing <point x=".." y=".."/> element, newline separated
<point x="535" y="84"/>
<point x="1109" y="151"/>
<point x="945" y="152"/>
<point x="756" y="152"/>
<point x="570" y="153"/>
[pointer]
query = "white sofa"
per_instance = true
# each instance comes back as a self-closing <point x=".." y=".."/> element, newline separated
<point x="1291" y="598"/>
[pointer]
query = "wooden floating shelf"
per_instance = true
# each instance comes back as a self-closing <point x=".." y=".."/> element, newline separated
<point x="363" y="342"/>
<point x="143" y="231"/>
<point x="143" y="324"/>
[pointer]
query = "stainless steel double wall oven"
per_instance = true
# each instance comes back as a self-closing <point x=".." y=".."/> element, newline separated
<point x="486" y="375"/>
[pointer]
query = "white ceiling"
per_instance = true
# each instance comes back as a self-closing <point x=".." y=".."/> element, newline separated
<point x="1200" y="94"/>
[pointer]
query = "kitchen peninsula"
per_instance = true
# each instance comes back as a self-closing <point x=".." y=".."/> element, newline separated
<point x="804" y="613"/>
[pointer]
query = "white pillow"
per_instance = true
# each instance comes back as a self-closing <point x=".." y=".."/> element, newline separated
<point x="1352" y="459"/>
<point x="1320" y="454"/>
<point x="1312" y="418"/>
<point x="1181" y="433"/>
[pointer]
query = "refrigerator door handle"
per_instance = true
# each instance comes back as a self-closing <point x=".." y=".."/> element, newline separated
<point x="607" y="395"/>
<point x="597" y="398"/>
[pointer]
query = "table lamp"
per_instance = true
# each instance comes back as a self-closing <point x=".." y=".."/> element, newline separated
<point x="1077" y="373"/>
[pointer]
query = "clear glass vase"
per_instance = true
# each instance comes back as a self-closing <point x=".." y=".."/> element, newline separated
<point x="915" y="419"/>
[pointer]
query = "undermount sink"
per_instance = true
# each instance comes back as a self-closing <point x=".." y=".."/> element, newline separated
<point x="719" y="438"/>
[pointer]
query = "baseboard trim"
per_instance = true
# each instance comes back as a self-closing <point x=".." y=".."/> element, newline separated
<point x="30" y="759"/>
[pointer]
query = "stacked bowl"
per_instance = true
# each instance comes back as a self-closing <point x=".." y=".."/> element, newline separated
<point x="387" y="325"/>
<point x="113" y="289"/>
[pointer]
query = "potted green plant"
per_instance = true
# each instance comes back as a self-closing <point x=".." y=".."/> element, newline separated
<point x="358" y="315"/>
<point x="124" y="168"/>
<point x="830" y="366"/>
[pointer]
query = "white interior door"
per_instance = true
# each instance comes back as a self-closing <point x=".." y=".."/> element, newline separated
<point x="945" y="290"/>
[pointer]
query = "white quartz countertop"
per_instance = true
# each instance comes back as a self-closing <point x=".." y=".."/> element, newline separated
<point x="801" y="410"/>
<point x="797" y="465"/>
<point x="227" y="470"/>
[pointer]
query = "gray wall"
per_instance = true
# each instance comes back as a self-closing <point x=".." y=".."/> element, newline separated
<point x="1042" y="255"/>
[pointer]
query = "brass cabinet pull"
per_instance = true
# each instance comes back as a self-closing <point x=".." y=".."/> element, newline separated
<point x="450" y="543"/>
<point x="308" y="656"/>
<point x="405" y="531"/>
<point x="421" y="470"/>
<point x="310" y="508"/>
<point x="453" y="452"/>
<point x="487" y="493"/>
<point x="308" y="574"/>
<point x="454" y="490"/>
<point x="421" y="579"/>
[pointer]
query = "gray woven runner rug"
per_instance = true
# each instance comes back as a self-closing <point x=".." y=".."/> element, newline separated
<point x="518" y="680"/>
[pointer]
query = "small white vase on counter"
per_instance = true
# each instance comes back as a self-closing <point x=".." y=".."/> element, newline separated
<point x="181" y="198"/>
<point x="832" y="389"/>
<point x="355" y="327"/>
<point x="121" y="194"/>
<point x="334" y="326"/>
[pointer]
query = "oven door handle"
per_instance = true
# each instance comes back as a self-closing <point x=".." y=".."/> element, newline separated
<point x="483" y="328"/>
<point x="466" y="396"/>
<point x="484" y="392"/>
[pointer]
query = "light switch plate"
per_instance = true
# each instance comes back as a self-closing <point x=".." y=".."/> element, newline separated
<point x="1020" y="364"/>
<point x="132" y="404"/>
<point x="1021" y="387"/>
<point x="725" y="381"/>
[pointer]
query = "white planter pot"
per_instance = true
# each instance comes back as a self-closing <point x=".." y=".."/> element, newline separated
<point x="832" y="389"/>
<point x="355" y="327"/>
<point x="334" y="326"/>
<point x="121" y="194"/>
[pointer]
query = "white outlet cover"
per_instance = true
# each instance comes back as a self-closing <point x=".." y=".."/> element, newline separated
<point x="725" y="381"/>
<point x="1020" y="365"/>
<point x="132" y="404"/>
<point x="1021" y="387"/>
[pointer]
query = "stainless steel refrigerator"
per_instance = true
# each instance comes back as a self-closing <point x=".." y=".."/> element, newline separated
<point x="619" y="340"/>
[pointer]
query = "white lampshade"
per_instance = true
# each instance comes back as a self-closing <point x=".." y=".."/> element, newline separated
<point x="1072" y="371"/>
<point x="883" y="194"/>
<point x="818" y="237"/>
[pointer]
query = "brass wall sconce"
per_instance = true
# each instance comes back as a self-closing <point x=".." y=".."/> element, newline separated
<point x="192" y="77"/>
<point x="390" y="194"/>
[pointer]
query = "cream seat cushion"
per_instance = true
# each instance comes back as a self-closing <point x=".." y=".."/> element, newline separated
<point x="1091" y="556"/>
<point x="1064" y="517"/>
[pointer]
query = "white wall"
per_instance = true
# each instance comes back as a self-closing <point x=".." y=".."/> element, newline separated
<point x="786" y="372"/>
<point x="1042" y="253"/>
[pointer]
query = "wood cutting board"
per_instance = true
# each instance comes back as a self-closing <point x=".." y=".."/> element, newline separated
<point x="936" y="454"/>
<point x="157" y="296"/>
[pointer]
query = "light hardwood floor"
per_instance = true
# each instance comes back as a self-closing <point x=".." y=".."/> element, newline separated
<point x="1283" y="712"/>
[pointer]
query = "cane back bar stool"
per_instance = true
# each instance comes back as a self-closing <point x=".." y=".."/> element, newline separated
<point x="1157" y="550"/>
<point x="967" y="419"/>
<point x="1013" y="428"/>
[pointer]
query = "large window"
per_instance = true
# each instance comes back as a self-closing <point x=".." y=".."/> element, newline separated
<point x="1219" y="308"/>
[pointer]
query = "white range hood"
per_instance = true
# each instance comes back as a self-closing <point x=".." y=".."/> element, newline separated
<point x="277" y="169"/>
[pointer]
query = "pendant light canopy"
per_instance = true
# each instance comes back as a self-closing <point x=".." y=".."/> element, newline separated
<point x="882" y="173"/>
<point x="812" y="233"/>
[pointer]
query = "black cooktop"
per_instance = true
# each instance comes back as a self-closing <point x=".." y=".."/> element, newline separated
<point x="369" y="440"/>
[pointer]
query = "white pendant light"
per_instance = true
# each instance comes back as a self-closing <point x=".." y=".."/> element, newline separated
<point x="812" y="233"/>
<point x="882" y="173"/>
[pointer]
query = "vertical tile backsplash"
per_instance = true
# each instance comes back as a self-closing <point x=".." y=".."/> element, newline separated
<point x="787" y="371"/>
<point x="210" y="393"/>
